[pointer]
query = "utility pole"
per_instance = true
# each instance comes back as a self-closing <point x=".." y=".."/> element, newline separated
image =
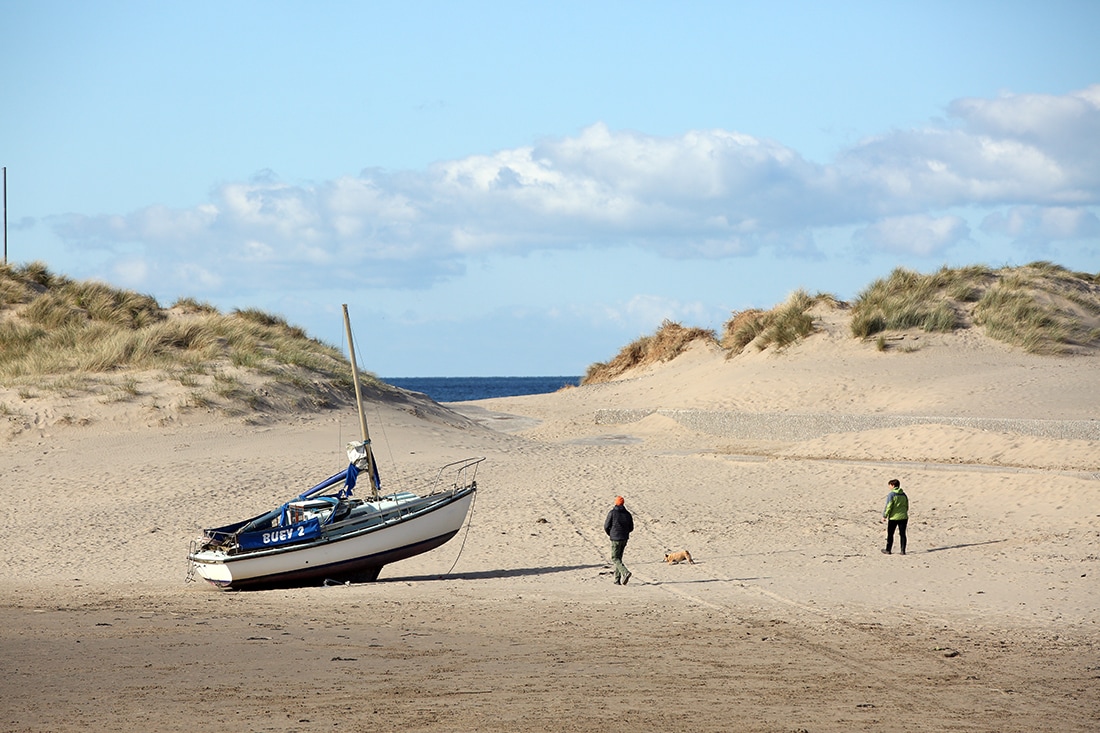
<point x="5" y="215"/>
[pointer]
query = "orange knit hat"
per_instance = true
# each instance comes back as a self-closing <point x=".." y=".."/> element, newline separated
<point x="619" y="501"/>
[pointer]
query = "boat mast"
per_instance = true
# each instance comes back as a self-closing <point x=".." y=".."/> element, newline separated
<point x="371" y="471"/>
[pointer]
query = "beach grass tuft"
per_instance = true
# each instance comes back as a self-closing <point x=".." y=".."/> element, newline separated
<point x="670" y="340"/>
<point x="52" y="327"/>
<point x="1041" y="307"/>
<point x="780" y="327"/>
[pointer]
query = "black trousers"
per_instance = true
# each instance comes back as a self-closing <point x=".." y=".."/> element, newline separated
<point x="899" y="525"/>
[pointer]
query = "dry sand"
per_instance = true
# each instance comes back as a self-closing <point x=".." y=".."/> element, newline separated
<point x="771" y="469"/>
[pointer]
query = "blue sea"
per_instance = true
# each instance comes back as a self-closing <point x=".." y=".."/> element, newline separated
<point x="461" y="389"/>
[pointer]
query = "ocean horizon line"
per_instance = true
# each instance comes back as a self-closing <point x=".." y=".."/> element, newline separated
<point x="464" y="389"/>
<point x="492" y="376"/>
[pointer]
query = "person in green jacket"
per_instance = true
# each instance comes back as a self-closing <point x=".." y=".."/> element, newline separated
<point x="896" y="515"/>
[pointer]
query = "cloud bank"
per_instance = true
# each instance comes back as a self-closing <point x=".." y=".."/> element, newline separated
<point x="1029" y="162"/>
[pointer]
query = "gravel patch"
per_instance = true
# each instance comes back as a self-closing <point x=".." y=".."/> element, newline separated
<point x="789" y="426"/>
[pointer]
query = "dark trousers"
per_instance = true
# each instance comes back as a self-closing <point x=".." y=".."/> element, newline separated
<point x="899" y="525"/>
<point x="617" y="547"/>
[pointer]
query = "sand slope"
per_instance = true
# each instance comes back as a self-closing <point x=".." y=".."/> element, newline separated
<point x="771" y="469"/>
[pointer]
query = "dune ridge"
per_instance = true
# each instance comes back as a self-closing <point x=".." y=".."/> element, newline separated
<point x="770" y="467"/>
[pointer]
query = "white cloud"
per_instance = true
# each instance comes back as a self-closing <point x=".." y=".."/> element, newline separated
<point x="1010" y="150"/>
<point x="197" y="277"/>
<point x="1041" y="225"/>
<point x="1034" y="160"/>
<point x="644" y="313"/>
<point x="1060" y="125"/>
<point x="918" y="234"/>
<point x="131" y="271"/>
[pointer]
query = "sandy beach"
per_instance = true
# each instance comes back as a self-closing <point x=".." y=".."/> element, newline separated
<point x="771" y="469"/>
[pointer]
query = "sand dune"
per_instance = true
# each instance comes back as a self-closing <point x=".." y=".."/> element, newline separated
<point x="771" y="469"/>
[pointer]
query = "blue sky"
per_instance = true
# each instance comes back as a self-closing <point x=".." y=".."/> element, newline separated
<point x="521" y="188"/>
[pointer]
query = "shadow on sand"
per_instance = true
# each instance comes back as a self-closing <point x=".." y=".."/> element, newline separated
<point x="703" y="580"/>
<point x="970" y="544"/>
<point x="491" y="574"/>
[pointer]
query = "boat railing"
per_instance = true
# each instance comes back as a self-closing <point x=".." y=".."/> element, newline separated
<point x="461" y="474"/>
<point x="191" y="569"/>
<point x="452" y="477"/>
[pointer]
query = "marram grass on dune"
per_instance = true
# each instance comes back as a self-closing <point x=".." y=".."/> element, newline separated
<point x="1041" y="307"/>
<point x="57" y="334"/>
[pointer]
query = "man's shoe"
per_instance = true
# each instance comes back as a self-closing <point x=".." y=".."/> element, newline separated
<point x="885" y="552"/>
<point x="626" y="578"/>
<point x="903" y="552"/>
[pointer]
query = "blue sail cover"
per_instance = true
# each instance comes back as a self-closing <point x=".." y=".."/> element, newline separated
<point x="349" y="476"/>
<point x="278" y="536"/>
<point x="285" y="533"/>
<point x="353" y="476"/>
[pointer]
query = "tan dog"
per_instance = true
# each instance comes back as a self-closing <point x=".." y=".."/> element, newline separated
<point x="675" y="558"/>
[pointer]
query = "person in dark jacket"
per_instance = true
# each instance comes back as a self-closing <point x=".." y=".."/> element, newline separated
<point x="618" y="526"/>
<point x="896" y="515"/>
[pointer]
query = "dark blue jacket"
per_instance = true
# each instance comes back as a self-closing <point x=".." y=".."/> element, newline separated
<point x="619" y="524"/>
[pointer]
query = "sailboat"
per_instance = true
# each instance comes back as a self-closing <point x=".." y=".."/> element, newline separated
<point x="326" y="533"/>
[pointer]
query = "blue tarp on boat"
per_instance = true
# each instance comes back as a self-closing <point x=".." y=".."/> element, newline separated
<point x="277" y="536"/>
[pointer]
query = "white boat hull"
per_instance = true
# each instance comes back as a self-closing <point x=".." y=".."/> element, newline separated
<point x="357" y="555"/>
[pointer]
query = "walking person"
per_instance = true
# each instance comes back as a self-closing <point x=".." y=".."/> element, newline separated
<point x="896" y="515"/>
<point x="618" y="526"/>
